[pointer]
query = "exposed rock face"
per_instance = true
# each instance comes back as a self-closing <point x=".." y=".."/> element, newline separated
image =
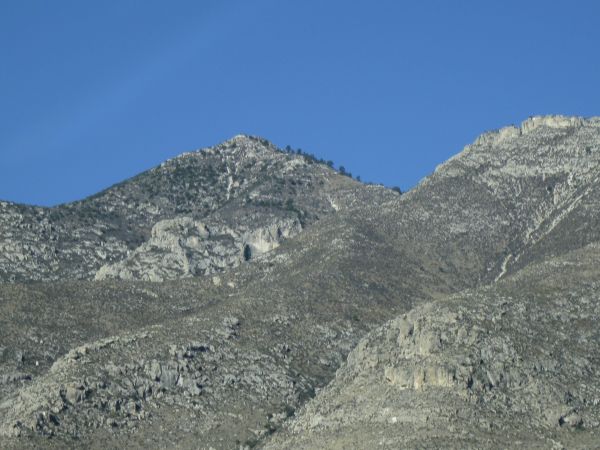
<point x="564" y="122"/>
<point x="478" y="288"/>
<point x="183" y="247"/>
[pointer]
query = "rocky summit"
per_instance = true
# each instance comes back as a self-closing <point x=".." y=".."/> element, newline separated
<point x="241" y="296"/>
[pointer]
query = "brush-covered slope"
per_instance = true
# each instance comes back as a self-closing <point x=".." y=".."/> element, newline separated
<point x="222" y="360"/>
<point x="511" y="365"/>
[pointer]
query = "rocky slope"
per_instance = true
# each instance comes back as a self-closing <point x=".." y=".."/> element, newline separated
<point x="244" y="186"/>
<point x="179" y="342"/>
<point x="510" y="365"/>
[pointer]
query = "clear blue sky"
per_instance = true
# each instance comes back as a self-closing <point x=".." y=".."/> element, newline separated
<point x="94" y="92"/>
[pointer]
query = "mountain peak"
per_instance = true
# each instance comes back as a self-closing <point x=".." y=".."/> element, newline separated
<point x="250" y="145"/>
<point x="552" y="121"/>
<point x="244" y="139"/>
<point x="247" y="143"/>
<point x="545" y="122"/>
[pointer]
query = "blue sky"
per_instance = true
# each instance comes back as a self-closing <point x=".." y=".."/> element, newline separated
<point x="94" y="92"/>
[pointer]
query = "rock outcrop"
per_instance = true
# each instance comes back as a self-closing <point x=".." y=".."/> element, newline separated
<point x="183" y="247"/>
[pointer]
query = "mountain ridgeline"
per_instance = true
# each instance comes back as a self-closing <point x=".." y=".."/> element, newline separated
<point x="246" y="297"/>
<point x="238" y="188"/>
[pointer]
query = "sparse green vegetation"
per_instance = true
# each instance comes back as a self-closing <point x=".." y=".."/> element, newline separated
<point x="447" y="321"/>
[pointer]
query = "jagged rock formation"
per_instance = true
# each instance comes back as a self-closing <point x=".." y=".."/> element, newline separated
<point x="483" y="270"/>
<point x="183" y="247"/>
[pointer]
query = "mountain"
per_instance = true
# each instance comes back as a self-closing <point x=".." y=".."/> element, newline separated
<point x="241" y="296"/>
<point x="241" y="189"/>
<point x="510" y="365"/>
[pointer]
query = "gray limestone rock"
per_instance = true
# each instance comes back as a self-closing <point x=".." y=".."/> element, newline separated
<point x="182" y="247"/>
<point x="461" y="314"/>
<point x="246" y="189"/>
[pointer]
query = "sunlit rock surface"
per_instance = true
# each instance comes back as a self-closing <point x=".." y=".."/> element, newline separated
<point x="243" y="297"/>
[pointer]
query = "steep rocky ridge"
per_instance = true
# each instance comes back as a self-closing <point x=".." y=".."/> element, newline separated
<point x="533" y="179"/>
<point x="243" y="349"/>
<point x="221" y="185"/>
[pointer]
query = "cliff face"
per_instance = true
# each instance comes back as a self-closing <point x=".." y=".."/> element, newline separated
<point x="235" y="282"/>
<point x="183" y="247"/>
